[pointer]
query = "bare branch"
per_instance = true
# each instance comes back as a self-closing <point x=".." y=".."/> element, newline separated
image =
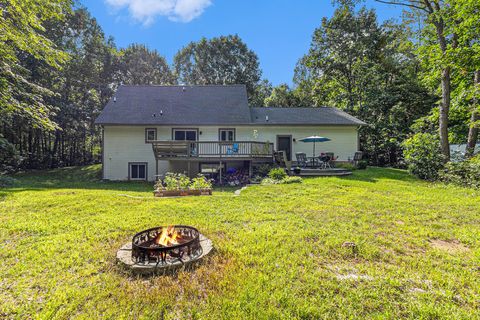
<point x="410" y="5"/>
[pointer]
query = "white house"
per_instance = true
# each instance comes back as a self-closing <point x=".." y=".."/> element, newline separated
<point x="150" y="130"/>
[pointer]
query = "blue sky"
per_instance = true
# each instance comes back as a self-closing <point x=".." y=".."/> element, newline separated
<point x="279" y="31"/>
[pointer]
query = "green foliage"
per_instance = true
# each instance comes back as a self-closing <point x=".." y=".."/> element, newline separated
<point x="6" y="181"/>
<point x="23" y="39"/>
<point x="423" y="155"/>
<point x="9" y="157"/>
<point x="263" y="169"/>
<point x="176" y="181"/>
<point x="362" y="164"/>
<point x="179" y="181"/>
<point x="277" y="174"/>
<point x="200" y="182"/>
<point x="285" y="180"/>
<point x="283" y="96"/>
<point x="369" y="70"/>
<point x="140" y="65"/>
<point x="292" y="179"/>
<point x="463" y="173"/>
<point x="222" y="60"/>
<point x="261" y="91"/>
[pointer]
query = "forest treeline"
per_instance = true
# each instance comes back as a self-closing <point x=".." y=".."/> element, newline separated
<point x="58" y="70"/>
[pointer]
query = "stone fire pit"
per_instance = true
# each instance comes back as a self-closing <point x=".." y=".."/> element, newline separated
<point x="162" y="249"/>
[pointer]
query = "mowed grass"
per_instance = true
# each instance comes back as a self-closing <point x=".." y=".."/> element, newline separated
<point x="279" y="252"/>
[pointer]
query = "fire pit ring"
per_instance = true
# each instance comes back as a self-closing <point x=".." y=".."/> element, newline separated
<point x="164" y="248"/>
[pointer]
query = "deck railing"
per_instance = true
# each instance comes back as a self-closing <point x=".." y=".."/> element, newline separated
<point x="212" y="149"/>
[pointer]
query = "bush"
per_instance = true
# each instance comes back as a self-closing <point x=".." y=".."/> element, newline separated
<point x="288" y="180"/>
<point x="174" y="181"/>
<point x="277" y="174"/>
<point x="362" y="164"/>
<point x="268" y="181"/>
<point x="179" y="181"/>
<point x="200" y="183"/>
<point x="465" y="173"/>
<point x="423" y="155"/>
<point x="9" y="157"/>
<point x="263" y="169"/>
<point x="6" y="181"/>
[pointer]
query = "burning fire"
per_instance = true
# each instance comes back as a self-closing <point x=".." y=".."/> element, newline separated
<point x="169" y="236"/>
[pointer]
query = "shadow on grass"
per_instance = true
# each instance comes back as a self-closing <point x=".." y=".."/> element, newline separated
<point x="87" y="178"/>
<point x="374" y="174"/>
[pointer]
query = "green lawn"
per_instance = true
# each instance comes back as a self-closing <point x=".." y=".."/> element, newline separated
<point x="278" y="252"/>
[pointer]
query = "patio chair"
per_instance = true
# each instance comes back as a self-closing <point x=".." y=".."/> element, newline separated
<point x="331" y="163"/>
<point x="280" y="158"/>
<point x="357" y="157"/>
<point x="233" y="149"/>
<point x="302" y="160"/>
<point x="324" y="161"/>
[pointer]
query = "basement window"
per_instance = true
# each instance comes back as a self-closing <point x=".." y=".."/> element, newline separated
<point x="137" y="171"/>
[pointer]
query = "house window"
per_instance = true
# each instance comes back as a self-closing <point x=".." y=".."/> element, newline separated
<point x="137" y="171"/>
<point x="185" y="134"/>
<point x="150" y="134"/>
<point x="226" y="134"/>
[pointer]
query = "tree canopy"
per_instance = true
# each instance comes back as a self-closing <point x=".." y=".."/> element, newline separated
<point x="222" y="60"/>
<point x="139" y="65"/>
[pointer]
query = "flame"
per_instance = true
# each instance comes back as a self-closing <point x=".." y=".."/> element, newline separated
<point x="169" y="236"/>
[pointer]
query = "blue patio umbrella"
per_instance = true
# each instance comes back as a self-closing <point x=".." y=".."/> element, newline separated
<point x="314" y="139"/>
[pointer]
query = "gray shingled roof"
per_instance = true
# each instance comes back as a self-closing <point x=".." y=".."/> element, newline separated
<point x="177" y="105"/>
<point x="207" y="105"/>
<point x="305" y="116"/>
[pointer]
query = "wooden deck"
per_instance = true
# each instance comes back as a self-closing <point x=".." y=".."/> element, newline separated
<point x="212" y="150"/>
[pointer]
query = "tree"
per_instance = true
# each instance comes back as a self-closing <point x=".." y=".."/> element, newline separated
<point x="442" y="18"/>
<point x="139" y="65"/>
<point x="283" y="96"/>
<point x="81" y="88"/>
<point x="369" y="70"/>
<point x="22" y="33"/>
<point x="222" y="60"/>
<point x="261" y="91"/>
<point x="465" y="24"/>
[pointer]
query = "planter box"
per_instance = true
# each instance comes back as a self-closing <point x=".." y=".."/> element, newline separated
<point x="182" y="193"/>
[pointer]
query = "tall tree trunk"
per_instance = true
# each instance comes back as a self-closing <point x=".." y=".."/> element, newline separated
<point x="473" y="131"/>
<point x="444" y="109"/>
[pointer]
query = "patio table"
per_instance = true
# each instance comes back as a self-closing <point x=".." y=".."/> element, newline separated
<point x="313" y="161"/>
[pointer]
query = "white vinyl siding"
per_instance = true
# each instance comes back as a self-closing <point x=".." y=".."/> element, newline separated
<point x="125" y="144"/>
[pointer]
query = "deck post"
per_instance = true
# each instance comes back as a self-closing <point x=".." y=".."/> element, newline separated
<point x="188" y="168"/>
<point x="220" y="173"/>
<point x="156" y="169"/>
<point x="250" y="169"/>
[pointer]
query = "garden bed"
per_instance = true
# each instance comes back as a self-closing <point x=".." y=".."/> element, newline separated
<point x="182" y="193"/>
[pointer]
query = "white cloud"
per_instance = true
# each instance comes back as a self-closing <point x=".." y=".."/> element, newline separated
<point x="145" y="11"/>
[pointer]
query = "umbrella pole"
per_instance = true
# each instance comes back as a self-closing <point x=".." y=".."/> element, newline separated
<point x="314" y="149"/>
